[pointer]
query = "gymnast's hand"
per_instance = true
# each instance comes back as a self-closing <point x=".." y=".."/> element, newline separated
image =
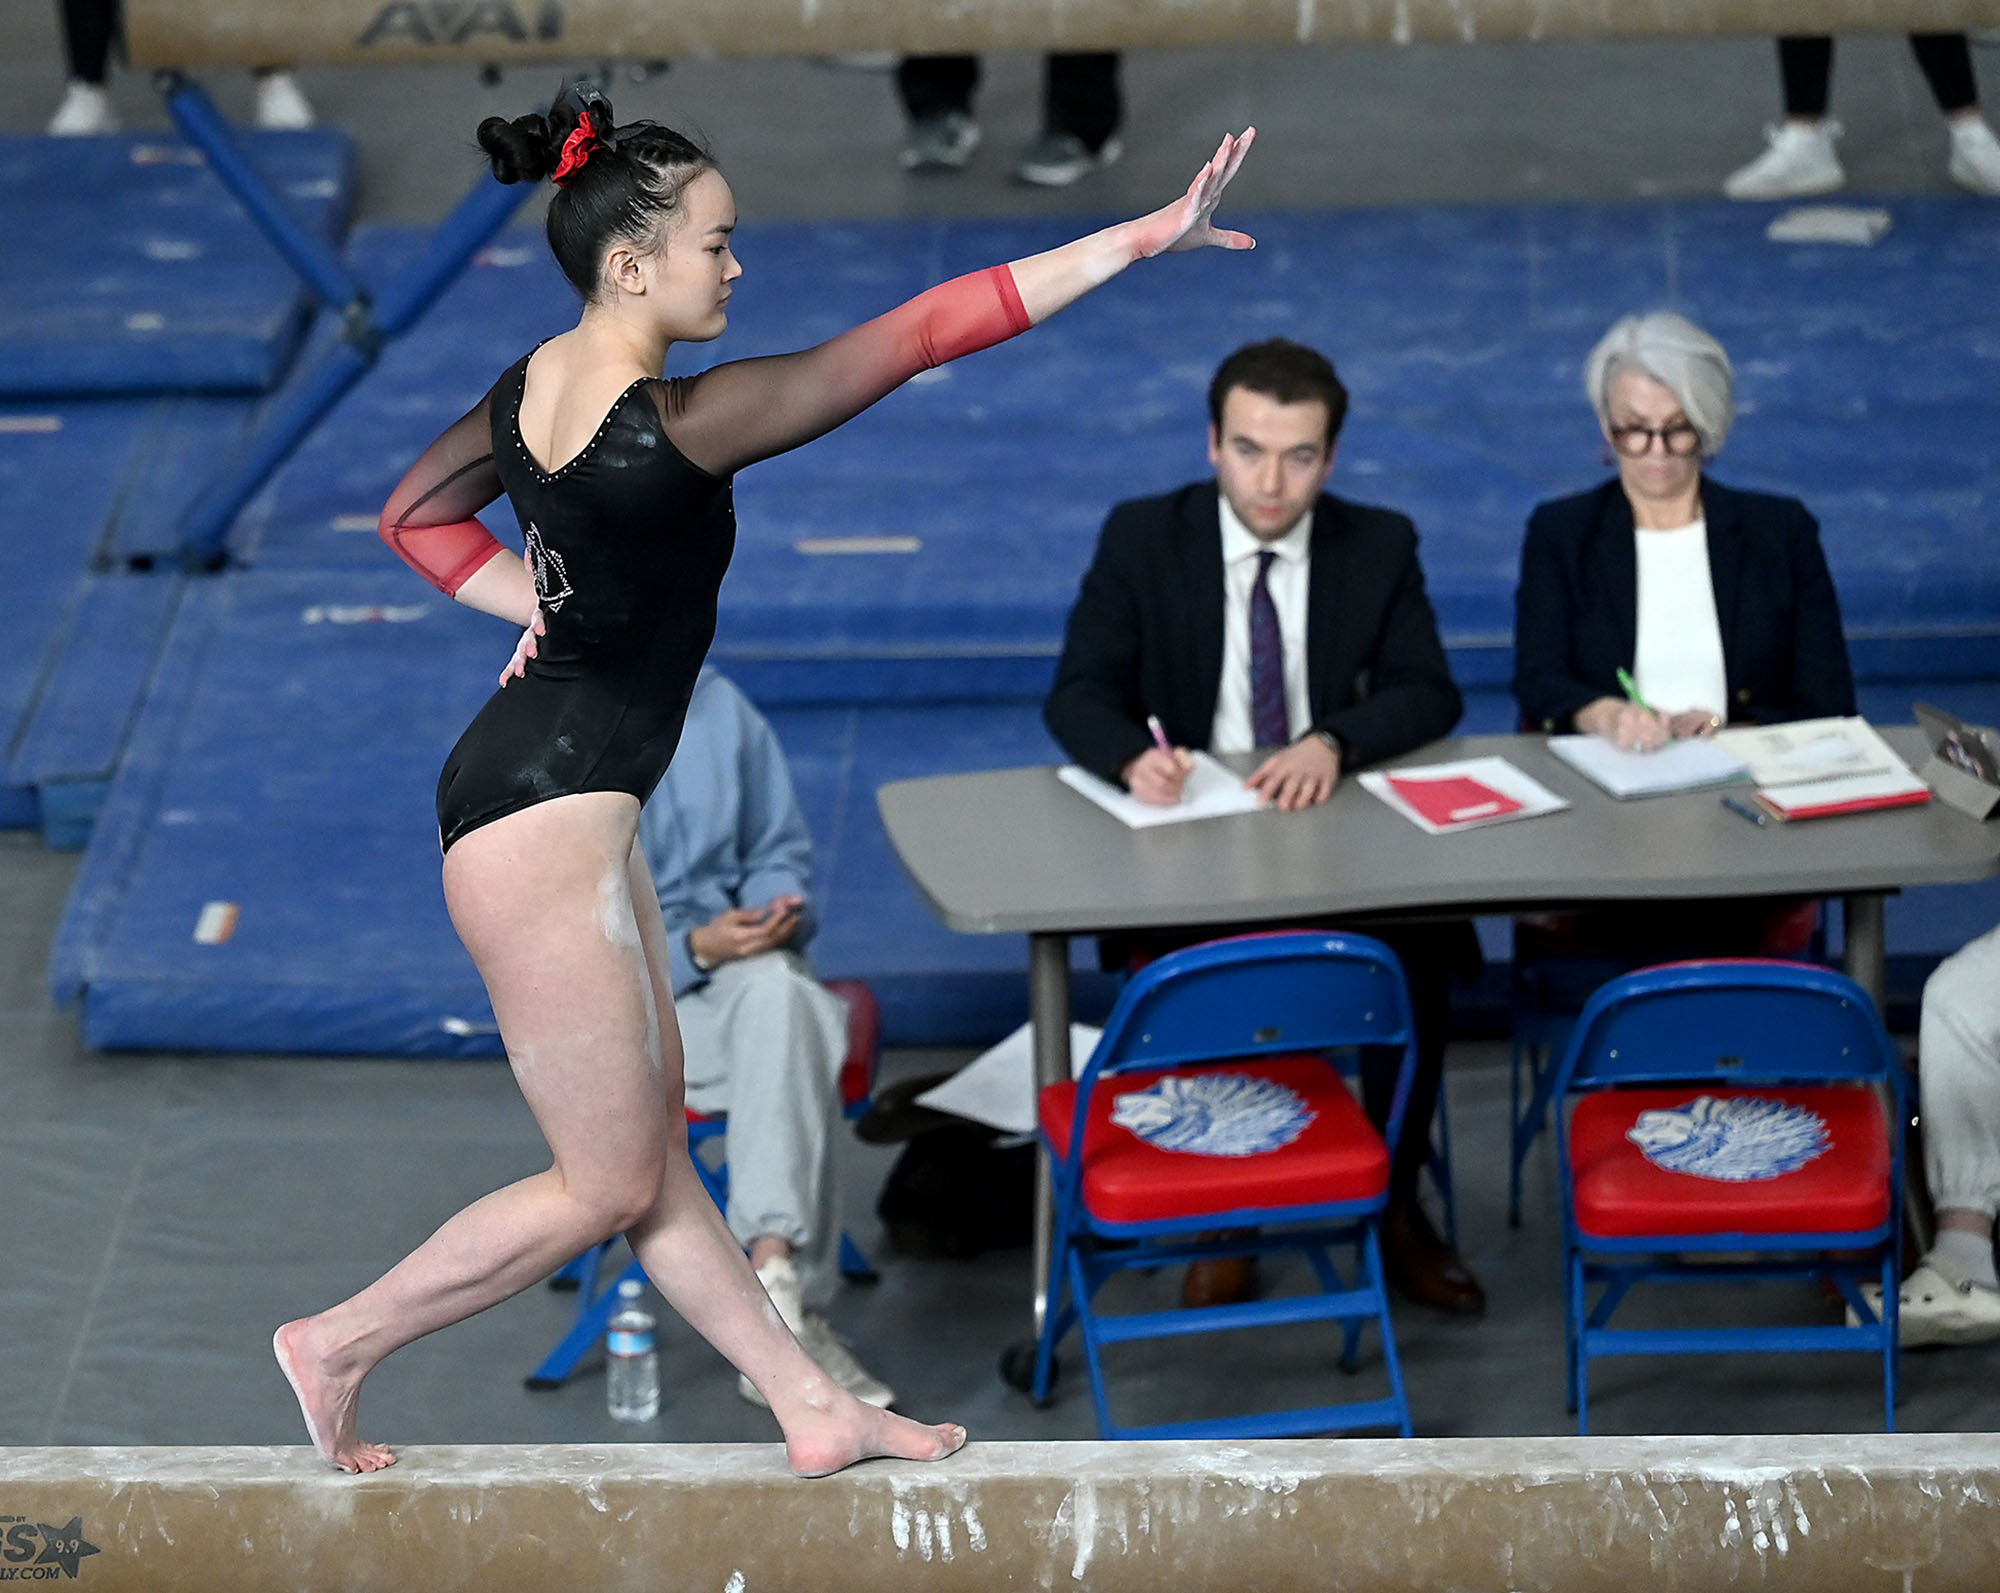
<point x="1185" y="224"/>
<point x="524" y="650"/>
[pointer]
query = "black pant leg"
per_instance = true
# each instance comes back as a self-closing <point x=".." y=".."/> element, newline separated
<point x="1806" y="67"/>
<point x="1081" y="96"/>
<point x="1428" y="954"/>
<point x="1946" y="60"/>
<point x="931" y="85"/>
<point x="88" y="29"/>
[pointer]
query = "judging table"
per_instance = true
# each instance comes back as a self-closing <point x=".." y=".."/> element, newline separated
<point x="1015" y="851"/>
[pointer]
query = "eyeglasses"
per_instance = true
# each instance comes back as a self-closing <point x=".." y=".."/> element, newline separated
<point x="1679" y="440"/>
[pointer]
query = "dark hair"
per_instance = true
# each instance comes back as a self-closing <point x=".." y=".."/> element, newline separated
<point x="632" y="180"/>
<point x="1289" y="372"/>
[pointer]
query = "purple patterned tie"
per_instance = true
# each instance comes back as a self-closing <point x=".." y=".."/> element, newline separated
<point x="1269" y="722"/>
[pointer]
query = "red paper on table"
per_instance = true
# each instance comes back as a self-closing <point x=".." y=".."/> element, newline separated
<point x="1455" y="800"/>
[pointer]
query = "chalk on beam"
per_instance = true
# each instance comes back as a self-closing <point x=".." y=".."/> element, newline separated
<point x="1867" y="1513"/>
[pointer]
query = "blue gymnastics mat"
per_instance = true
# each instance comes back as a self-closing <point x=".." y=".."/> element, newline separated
<point x="281" y="782"/>
<point x="284" y="759"/>
<point x="130" y="268"/>
<point x="92" y="487"/>
<point x="264" y="874"/>
<point x="1869" y="385"/>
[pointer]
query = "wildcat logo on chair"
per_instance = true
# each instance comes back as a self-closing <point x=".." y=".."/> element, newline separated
<point x="1214" y="1114"/>
<point x="1735" y="1139"/>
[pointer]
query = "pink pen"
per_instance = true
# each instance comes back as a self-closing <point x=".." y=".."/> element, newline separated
<point x="1159" y="734"/>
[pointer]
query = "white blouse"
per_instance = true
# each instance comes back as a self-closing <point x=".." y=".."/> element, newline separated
<point x="1678" y="660"/>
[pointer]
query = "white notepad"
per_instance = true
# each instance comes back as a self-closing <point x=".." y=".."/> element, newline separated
<point x="1210" y="793"/>
<point x="1678" y="766"/>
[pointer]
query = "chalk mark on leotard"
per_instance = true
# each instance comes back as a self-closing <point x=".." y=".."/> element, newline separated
<point x="551" y="579"/>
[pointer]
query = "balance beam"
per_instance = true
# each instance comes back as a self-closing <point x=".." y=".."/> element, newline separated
<point x="181" y="33"/>
<point x="1916" y="1513"/>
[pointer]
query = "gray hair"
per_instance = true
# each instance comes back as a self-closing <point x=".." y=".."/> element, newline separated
<point x="1675" y="353"/>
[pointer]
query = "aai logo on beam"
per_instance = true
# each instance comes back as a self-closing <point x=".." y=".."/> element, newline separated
<point x="465" y="22"/>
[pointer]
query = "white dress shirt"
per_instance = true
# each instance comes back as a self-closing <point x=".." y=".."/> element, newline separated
<point x="1287" y="582"/>
<point x="1677" y="662"/>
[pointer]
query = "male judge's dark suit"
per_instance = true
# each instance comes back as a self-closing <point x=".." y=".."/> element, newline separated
<point x="1576" y="611"/>
<point x="1145" y="636"/>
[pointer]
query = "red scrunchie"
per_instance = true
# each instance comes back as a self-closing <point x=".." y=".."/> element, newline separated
<point x="576" y="150"/>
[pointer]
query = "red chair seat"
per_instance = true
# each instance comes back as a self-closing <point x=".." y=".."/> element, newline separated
<point x="1338" y="1157"/>
<point x="1620" y="1194"/>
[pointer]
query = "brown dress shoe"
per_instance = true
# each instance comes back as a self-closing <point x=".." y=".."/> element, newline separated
<point x="1423" y="1267"/>
<point x="1219" y="1280"/>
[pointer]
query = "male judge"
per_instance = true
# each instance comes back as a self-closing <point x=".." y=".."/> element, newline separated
<point x="1257" y="612"/>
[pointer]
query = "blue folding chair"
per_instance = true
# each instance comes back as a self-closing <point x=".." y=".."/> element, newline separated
<point x="1552" y="979"/>
<point x="1731" y="1120"/>
<point x="596" y="1305"/>
<point x="1215" y="1103"/>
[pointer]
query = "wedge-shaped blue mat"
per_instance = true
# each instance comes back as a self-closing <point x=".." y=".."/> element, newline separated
<point x="264" y="875"/>
<point x="1869" y="385"/>
<point x="90" y="486"/>
<point x="129" y="269"/>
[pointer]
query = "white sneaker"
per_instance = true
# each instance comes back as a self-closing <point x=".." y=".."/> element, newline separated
<point x="944" y="142"/>
<point x="1799" y="161"/>
<point x="816" y="1336"/>
<point x="281" y="103"/>
<point x="84" y="112"/>
<point x="1931" y="1309"/>
<point x="1055" y="160"/>
<point x="1975" y="158"/>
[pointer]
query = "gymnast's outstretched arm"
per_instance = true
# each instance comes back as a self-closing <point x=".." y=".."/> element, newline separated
<point x="748" y="410"/>
<point x="431" y="521"/>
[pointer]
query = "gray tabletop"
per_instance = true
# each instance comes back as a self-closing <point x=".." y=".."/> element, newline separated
<point x="1016" y="850"/>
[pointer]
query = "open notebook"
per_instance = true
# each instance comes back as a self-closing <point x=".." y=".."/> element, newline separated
<point x="1211" y="791"/>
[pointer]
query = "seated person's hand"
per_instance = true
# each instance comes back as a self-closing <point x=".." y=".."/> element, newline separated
<point x="1157" y="777"/>
<point x="1302" y="776"/>
<point x="1625" y="724"/>
<point x="1693" y="722"/>
<point x="741" y="932"/>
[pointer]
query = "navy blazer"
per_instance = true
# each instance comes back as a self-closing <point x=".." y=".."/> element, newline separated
<point x="1145" y="636"/>
<point x="1576" y="610"/>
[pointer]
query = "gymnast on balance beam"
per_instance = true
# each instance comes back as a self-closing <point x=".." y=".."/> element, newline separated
<point x="621" y="480"/>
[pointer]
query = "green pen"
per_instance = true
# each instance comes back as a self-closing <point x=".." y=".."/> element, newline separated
<point x="1631" y="689"/>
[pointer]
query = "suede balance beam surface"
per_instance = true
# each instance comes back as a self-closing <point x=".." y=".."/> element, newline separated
<point x="1916" y="1513"/>
<point x="184" y="33"/>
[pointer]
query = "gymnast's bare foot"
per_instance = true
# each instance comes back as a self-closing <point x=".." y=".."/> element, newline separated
<point x="827" y="1429"/>
<point x="327" y="1401"/>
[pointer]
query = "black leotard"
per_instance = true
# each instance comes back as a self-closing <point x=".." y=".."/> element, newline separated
<point x="629" y="541"/>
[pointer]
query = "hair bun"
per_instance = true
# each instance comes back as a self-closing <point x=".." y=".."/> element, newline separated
<point x="521" y="151"/>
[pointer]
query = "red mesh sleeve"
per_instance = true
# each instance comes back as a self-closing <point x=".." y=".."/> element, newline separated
<point x="429" y="518"/>
<point x="748" y="410"/>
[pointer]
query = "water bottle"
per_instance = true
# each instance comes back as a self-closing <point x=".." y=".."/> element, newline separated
<point x="632" y="1386"/>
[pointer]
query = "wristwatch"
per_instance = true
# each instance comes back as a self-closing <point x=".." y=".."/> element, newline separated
<point x="701" y="963"/>
<point x="1331" y="742"/>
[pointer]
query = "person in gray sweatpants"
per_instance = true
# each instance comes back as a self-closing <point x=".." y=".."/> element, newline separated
<point x="732" y="862"/>
<point x="1953" y="1297"/>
